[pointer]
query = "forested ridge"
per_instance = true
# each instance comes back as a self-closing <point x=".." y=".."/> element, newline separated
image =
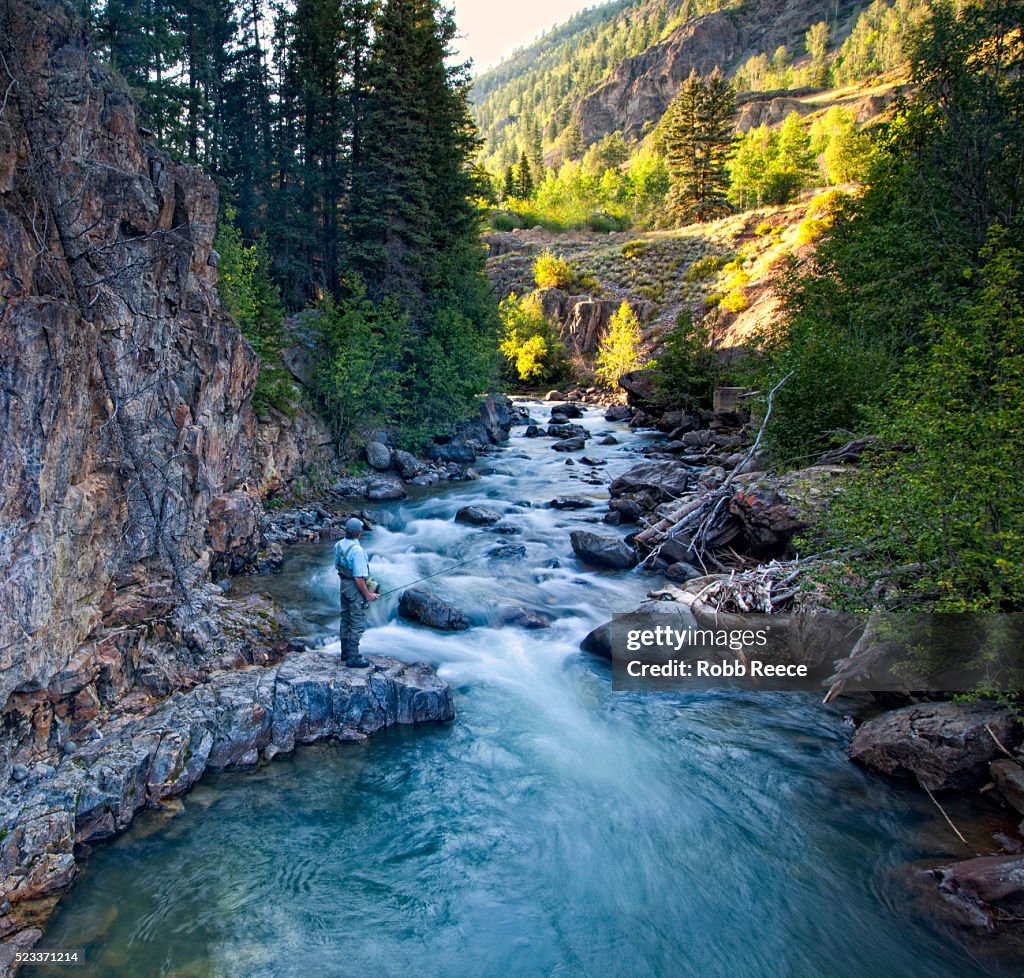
<point x="339" y="134"/>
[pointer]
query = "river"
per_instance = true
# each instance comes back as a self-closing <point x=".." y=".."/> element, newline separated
<point x="554" y="829"/>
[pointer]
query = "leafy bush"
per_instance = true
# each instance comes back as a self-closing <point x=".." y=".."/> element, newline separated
<point x="250" y="297"/>
<point x="635" y="248"/>
<point x="706" y="267"/>
<point x="687" y="366"/>
<point x="529" y="342"/>
<point x="375" y="369"/>
<point x="811" y="228"/>
<point x="619" y="350"/>
<point x="361" y="367"/>
<point x="551" y="271"/>
<point x="947" y="498"/>
<point x="735" y="301"/>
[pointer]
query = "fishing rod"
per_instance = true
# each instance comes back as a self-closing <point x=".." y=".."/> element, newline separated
<point x="402" y="587"/>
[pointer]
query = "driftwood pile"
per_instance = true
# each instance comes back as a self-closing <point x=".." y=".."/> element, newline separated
<point x="768" y="588"/>
<point x="702" y="522"/>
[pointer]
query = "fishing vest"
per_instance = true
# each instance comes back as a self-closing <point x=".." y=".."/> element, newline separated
<point x="344" y="558"/>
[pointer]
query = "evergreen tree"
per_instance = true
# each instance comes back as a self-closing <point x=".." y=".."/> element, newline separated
<point x="698" y="139"/>
<point x="412" y="233"/>
<point x="524" y="178"/>
<point x="508" y="188"/>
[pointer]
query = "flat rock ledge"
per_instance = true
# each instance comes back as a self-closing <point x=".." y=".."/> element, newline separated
<point x="236" y="719"/>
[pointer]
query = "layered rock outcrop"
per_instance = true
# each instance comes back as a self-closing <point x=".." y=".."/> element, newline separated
<point x="126" y="393"/>
<point x="637" y="91"/>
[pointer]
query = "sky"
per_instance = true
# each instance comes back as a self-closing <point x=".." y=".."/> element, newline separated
<point x="494" y="28"/>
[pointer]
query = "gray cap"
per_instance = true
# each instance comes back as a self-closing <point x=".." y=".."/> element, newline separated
<point x="353" y="525"/>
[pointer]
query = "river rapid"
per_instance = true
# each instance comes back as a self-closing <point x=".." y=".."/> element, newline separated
<point x="554" y="829"/>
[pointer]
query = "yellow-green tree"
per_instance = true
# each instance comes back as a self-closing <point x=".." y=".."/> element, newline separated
<point x="619" y="350"/>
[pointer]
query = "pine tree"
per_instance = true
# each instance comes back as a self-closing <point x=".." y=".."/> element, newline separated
<point x="508" y="188"/>
<point x="524" y="178"/>
<point x="698" y="138"/>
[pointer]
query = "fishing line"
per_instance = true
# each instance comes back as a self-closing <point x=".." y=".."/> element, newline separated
<point x="462" y="563"/>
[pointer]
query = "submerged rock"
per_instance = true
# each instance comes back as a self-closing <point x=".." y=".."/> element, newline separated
<point x="428" y="609"/>
<point x="941" y="745"/>
<point x="608" y="551"/>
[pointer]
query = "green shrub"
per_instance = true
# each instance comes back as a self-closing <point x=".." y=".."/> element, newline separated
<point x="826" y="204"/>
<point x="735" y="301"/>
<point x="713" y="299"/>
<point x="635" y="248"/>
<point x="706" y="267"/>
<point x="250" y="297"/>
<point x="947" y="499"/>
<point x="812" y="228"/>
<point x="687" y="369"/>
<point x="619" y="350"/>
<point x="506" y="221"/>
<point x="529" y="342"/>
<point x="375" y="369"/>
<point x="551" y="271"/>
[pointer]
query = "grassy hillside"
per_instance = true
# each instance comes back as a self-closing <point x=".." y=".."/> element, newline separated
<point x="837" y="77"/>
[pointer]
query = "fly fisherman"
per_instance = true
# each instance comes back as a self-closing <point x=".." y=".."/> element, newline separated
<point x="354" y="570"/>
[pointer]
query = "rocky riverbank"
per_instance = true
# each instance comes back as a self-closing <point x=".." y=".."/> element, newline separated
<point x="133" y="761"/>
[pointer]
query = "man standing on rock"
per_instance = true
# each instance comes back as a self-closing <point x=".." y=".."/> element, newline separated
<point x="354" y="570"/>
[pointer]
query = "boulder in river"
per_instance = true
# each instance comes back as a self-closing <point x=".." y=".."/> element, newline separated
<point x="477" y="516"/>
<point x="554" y="396"/>
<point x="983" y="891"/>
<point x="609" y="440"/>
<point x="384" y="488"/>
<point x="408" y="465"/>
<point x="662" y="481"/>
<point x="378" y="455"/>
<point x="942" y="746"/>
<point x="567" y="430"/>
<point x="1009" y="779"/>
<point x="618" y="412"/>
<point x="566" y="411"/>
<point x="570" y="502"/>
<point x="455" y="451"/>
<point x="532" y="431"/>
<point x="570" y="445"/>
<point x="428" y="609"/>
<point x="608" y="551"/>
<point x="522" y="618"/>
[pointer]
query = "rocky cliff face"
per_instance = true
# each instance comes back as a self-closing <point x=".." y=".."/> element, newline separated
<point x="125" y="415"/>
<point x="637" y="92"/>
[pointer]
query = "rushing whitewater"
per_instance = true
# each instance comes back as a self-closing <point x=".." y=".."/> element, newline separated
<point x="555" y="829"/>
